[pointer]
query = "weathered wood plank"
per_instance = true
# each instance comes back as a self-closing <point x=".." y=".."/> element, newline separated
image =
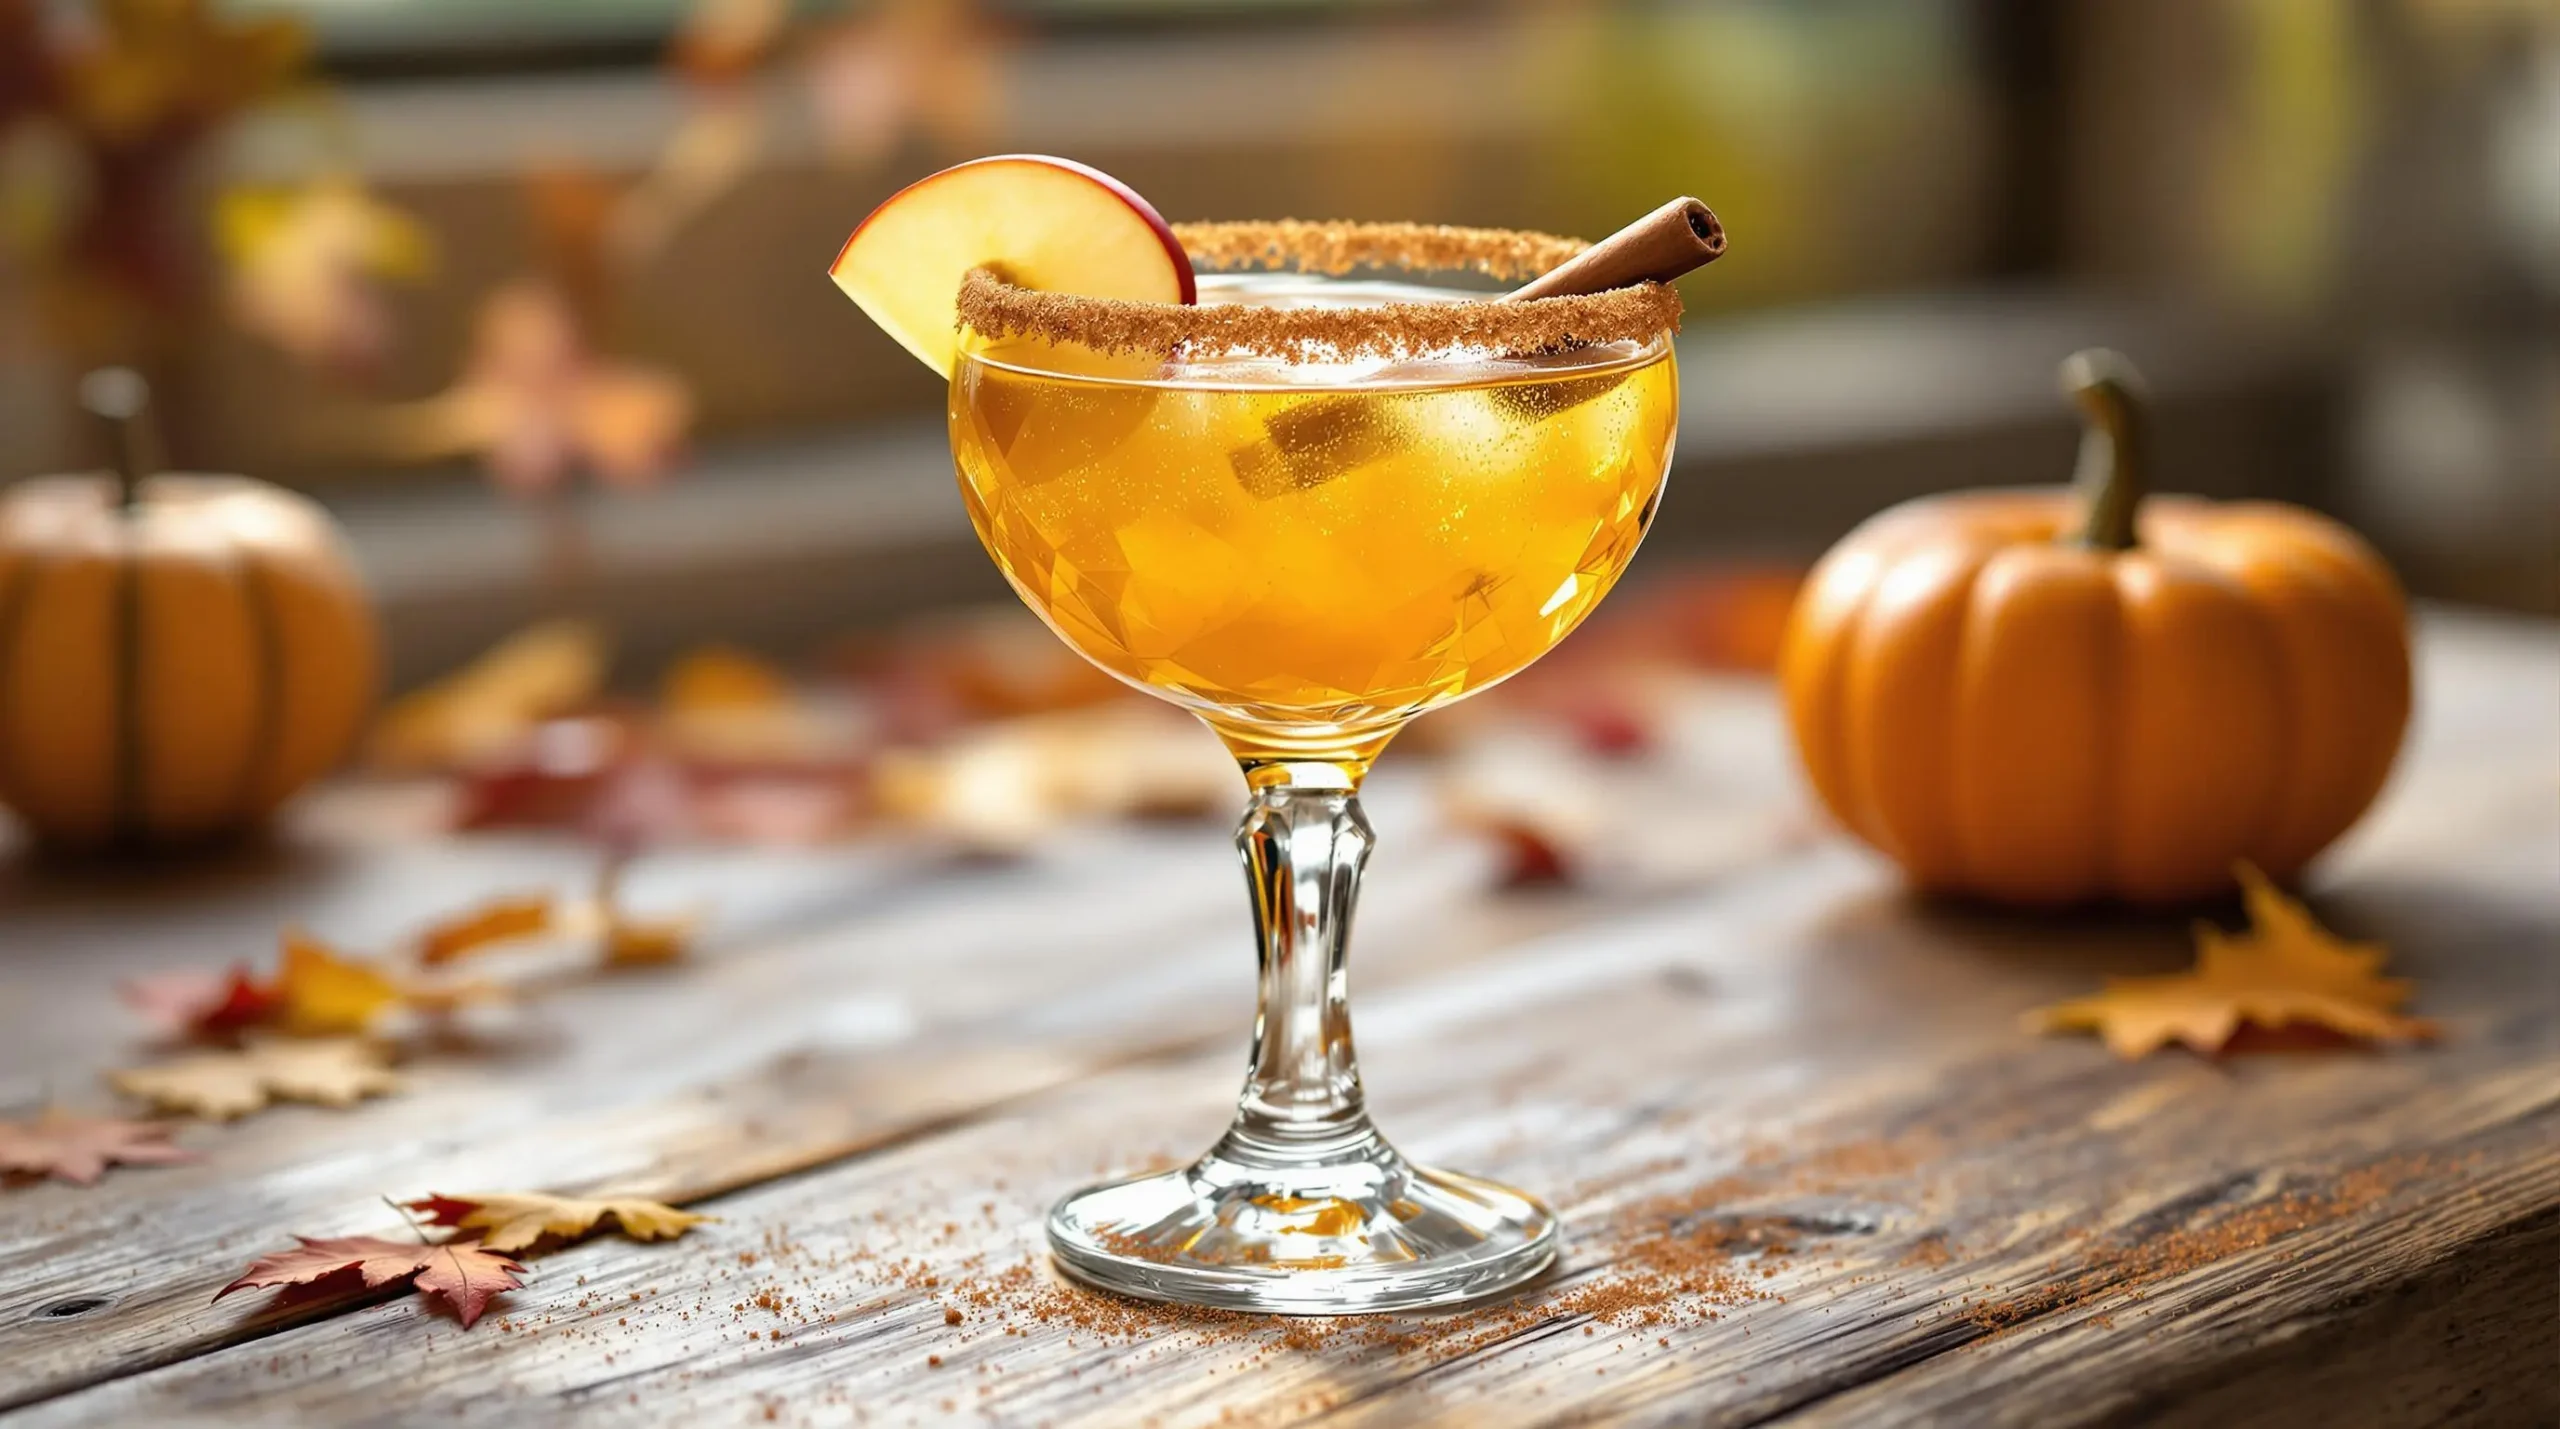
<point x="824" y="1019"/>
<point x="1806" y="1002"/>
<point x="1833" y="1098"/>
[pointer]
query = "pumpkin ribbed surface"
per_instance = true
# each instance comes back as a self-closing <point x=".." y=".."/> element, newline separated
<point x="2011" y="715"/>
<point x="175" y="668"/>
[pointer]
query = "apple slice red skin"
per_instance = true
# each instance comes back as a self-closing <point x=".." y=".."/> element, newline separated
<point x="1164" y="231"/>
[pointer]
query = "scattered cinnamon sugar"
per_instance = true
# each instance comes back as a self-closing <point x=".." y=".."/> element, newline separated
<point x="1651" y="1270"/>
<point x="1641" y="313"/>
<point x="2126" y="1267"/>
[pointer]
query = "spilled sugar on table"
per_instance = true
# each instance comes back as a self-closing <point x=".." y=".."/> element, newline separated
<point x="1811" y="1169"/>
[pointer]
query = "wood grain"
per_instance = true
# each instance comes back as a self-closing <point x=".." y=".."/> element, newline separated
<point x="1781" y="1034"/>
<point x="859" y="998"/>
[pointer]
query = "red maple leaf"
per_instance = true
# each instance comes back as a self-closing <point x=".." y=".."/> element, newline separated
<point x="462" y="1273"/>
<point x="79" y="1149"/>
<point x="201" y="1003"/>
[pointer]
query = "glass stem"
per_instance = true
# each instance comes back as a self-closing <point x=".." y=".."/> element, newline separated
<point x="1303" y="849"/>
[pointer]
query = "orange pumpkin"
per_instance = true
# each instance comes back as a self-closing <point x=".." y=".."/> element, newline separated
<point x="177" y="655"/>
<point x="2048" y="696"/>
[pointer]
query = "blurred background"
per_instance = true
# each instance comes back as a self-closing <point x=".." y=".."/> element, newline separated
<point x="532" y="295"/>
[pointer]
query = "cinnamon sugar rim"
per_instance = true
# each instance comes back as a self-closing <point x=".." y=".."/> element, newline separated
<point x="1643" y="313"/>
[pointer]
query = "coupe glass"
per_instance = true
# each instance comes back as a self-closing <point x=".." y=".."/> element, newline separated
<point x="1307" y="546"/>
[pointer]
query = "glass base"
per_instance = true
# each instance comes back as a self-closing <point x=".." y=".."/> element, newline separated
<point x="1345" y="1228"/>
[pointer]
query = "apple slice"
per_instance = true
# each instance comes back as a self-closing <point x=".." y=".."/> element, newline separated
<point x="1050" y="224"/>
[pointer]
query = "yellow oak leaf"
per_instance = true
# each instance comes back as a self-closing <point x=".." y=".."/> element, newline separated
<point x="223" y="1085"/>
<point x="515" y="1220"/>
<point x="2286" y="971"/>
<point x="321" y="994"/>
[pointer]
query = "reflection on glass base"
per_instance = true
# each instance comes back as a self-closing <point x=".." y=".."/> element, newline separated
<point x="1337" y="1230"/>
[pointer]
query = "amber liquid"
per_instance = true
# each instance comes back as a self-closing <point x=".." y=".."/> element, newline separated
<point x="1309" y="555"/>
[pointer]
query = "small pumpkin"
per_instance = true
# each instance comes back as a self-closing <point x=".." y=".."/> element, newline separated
<point x="177" y="653"/>
<point x="2054" y="696"/>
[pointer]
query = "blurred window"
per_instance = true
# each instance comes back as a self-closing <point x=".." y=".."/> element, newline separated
<point x="518" y="32"/>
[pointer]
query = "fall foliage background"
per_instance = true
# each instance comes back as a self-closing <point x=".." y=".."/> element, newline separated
<point x="727" y="844"/>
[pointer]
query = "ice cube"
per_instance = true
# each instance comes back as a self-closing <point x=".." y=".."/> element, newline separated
<point x="1314" y="441"/>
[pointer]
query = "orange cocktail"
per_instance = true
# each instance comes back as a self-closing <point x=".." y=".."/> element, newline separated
<point x="1306" y="508"/>
<point x="1312" y="553"/>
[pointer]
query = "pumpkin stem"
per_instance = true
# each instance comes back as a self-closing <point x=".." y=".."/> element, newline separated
<point x="2114" y="446"/>
<point x="118" y="397"/>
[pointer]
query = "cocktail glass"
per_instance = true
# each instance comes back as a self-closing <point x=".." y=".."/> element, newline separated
<point x="1307" y="512"/>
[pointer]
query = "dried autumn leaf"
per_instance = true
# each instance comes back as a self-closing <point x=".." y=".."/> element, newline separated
<point x="483" y="708"/>
<point x="321" y="994"/>
<point x="304" y="263"/>
<point x="729" y="713"/>
<point x="224" y="1085"/>
<point x="464" y="1275"/>
<point x="550" y="777"/>
<point x="2282" y="933"/>
<point x="633" y="942"/>
<point x="1545" y="829"/>
<point x="2287" y="971"/>
<point x="645" y="800"/>
<point x="800" y="808"/>
<point x="515" y="1220"/>
<point x="645" y="942"/>
<point x="537" y="404"/>
<point x="997" y="789"/>
<point x="499" y="921"/>
<point x="79" y="1149"/>
<point x="722" y="679"/>
<point x="195" y="1002"/>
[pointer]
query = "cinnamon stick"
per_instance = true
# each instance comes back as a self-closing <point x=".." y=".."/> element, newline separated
<point x="1321" y="439"/>
<point x="1673" y="239"/>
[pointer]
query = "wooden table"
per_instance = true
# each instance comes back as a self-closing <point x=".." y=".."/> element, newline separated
<point x="880" y="1067"/>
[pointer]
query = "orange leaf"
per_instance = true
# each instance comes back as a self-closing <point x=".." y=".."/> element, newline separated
<point x="323" y="994"/>
<point x="79" y="1149"/>
<point x="500" y="921"/>
<point x="463" y="1274"/>
<point x="722" y="679"/>
<point x="2286" y="971"/>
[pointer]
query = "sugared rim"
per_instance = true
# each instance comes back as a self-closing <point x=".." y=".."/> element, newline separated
<point x="997" y="309"/>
